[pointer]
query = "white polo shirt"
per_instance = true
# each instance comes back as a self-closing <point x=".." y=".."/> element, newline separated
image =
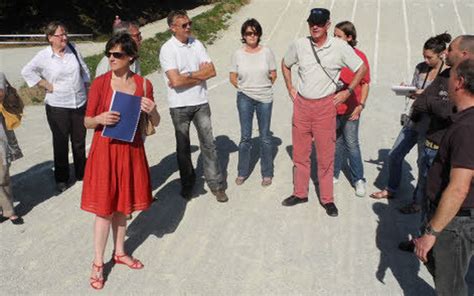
<point x="185" y="57"/>
<point x="334" y="54"/>
<point x="64" y="73"/>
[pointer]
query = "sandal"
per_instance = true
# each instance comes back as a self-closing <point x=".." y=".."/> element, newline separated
<point x="136" y="264"/>
<point x="97" y="281"/>
<point x="266" y="181"/>
<point x="384" y="194"/>
<point x="239" y="180"/>
<point x="410" y="209"/>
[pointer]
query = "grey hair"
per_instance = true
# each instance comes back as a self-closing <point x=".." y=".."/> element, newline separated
<point x="123" y="27"/>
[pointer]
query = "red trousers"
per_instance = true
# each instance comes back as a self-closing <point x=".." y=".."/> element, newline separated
<point x="314" y="120"/>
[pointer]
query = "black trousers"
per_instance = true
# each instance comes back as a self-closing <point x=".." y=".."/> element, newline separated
<point x="67" y="123"/>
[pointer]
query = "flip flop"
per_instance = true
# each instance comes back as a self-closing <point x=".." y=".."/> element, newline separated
<point x="381" y="195"/>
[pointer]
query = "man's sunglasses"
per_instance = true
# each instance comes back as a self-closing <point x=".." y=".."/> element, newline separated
<point x="116" y="54"/>
<point x="185" y="25"/>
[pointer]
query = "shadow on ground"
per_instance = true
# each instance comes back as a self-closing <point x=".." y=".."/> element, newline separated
<point x="33" y="187"/>
<point x="163" y="216"/>
<point x="404" y="266"/>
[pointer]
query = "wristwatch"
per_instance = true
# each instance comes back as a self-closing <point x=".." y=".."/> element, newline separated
<point x="351" y="91"/>
<point x="190" y="74"/>
<point x="363" y="105"/>
<point x="429" y="230"/>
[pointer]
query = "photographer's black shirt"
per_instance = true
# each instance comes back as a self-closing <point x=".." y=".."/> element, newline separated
<point x="456" y="150"/>
<point x="434" y="101"/>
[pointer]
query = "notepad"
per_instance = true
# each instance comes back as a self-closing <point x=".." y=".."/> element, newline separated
<point x="129" y="108"/>
<point x="403" y="90"/>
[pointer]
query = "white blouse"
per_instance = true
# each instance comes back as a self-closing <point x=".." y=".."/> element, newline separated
<point x="64" y="73"/>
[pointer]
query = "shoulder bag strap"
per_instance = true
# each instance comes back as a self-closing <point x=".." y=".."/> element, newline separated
<point x="319" y="61"/>
<point x="74" y="51"/>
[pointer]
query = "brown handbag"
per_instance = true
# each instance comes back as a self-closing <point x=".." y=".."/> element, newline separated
<point x="146" y="126"/>
<point x="12" y="107"/>
<point x="12" y="101"/>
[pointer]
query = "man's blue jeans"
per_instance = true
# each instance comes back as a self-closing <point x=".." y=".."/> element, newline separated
<point x="406" y="140"/>
<point x="347" y="143"/>
<point x="200" y="115"/>
<point x="449" y="259"/>
<point x="247" y="107"/>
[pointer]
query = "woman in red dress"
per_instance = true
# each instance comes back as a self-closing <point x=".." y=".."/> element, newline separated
<point x="117" y="178"/>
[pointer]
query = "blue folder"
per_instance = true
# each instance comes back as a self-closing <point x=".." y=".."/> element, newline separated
<point x="129" y="108"/>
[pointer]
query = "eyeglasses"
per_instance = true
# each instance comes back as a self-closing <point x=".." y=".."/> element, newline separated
<point x="248" y="34"/>
<point x="185" y="25"/>
<point x="116" y="54"/>
<point x="60" y="35"/>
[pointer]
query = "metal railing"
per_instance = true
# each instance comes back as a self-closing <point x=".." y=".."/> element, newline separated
<point x="32" y="36"/>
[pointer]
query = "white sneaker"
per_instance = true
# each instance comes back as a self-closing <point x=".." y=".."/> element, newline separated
<point x="360" y="188"/>
<point x="335" y="180"/>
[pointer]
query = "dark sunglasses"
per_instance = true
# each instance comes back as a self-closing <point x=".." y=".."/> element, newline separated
<point x="248" y="34"/>
<point x="185" y="25"/>
<point x="116" y="54"/>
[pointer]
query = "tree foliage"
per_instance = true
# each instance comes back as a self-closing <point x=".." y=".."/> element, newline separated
<point x="83" y="16"/>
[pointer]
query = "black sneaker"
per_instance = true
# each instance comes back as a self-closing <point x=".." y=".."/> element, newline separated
<point x="293" y="200"/>
<point x="331" y="209"/>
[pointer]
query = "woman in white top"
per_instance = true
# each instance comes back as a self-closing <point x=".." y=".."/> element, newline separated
<point x="253" y="73"/>
<point x="61" y="71"/>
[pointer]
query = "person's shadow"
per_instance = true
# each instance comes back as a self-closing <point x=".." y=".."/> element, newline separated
<point x="160" y="172"/>
<point x="404" y="266"/>
<point x="255" y="150"/>
<point x="163" y="216"/>
<point x="33" y="187"/>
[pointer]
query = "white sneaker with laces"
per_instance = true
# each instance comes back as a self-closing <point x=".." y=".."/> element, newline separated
<point x="360" y="188"/>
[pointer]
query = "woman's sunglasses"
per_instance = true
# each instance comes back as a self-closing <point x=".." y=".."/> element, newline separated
<point x="116" y="54"/>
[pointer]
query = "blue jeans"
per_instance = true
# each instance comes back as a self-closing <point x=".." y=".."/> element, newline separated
<point x="426" y="161"/>
<point x="448" y="260"/>
<point x="247" y="106"/>
<point x="200" y="115"/>
<point x="347" y="141"/>
<point x="406" y="140"/>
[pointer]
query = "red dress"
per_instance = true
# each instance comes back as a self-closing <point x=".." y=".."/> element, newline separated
<point x="117" y="177"/>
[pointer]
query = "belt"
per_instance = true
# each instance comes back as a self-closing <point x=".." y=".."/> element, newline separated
<point x="431" y="145"/>
<point x="466" y="213"/>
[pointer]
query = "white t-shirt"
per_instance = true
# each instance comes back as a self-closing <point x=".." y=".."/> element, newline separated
<point x="253" y="71"/>
<point x="184" y="58"/>
<point x="335" y="54"/>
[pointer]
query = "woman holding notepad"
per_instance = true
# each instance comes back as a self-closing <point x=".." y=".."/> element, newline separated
<point x="116" y="179"/>
<point x="414" y="130"/>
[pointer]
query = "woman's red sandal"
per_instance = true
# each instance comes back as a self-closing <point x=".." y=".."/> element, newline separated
<point x="97" y="281"/>
<point x="136" y="264"/>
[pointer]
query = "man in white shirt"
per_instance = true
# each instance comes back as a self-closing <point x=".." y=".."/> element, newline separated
<point x="120" y="27"/>
<point x="186" y="67"/>
<point x="320" y="59"/>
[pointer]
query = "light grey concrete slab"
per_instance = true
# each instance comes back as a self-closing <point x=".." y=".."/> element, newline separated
<point x="251" y="245"/>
